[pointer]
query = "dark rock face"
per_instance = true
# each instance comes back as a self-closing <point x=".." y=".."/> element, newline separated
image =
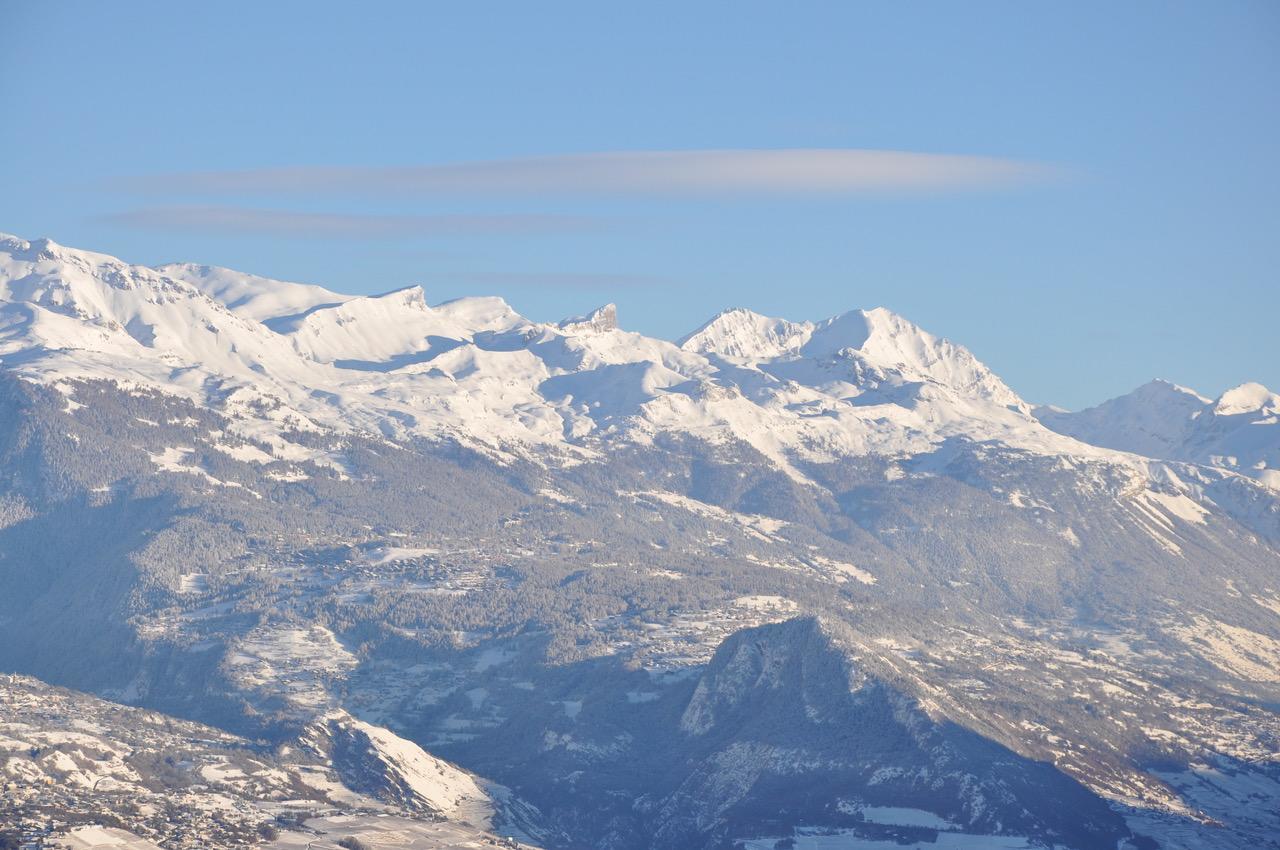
<point x="788" y="714"/>
<point x="785" y="729"/>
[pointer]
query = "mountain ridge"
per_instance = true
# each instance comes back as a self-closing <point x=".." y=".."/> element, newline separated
<point x="873" y="358"/>
<point x="1239" y="430"/>
<point x="474" y="369"/>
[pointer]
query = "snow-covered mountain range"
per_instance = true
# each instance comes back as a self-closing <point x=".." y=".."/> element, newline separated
<point x="1237" y="430"/>
<point x="294" y="356"/>
<point x="778" y="580"/>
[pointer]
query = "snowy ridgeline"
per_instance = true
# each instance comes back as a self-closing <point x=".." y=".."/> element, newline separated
<point x="282" y="356"/>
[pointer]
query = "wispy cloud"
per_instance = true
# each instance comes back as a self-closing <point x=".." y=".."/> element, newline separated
<point x="788" y="171"/>
<point x="242" y="220"/>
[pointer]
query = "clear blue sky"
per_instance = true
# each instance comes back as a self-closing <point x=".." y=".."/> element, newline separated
<point x="1144" y="240"/>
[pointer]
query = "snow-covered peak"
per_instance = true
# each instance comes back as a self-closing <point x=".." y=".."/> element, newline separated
<point x="1247" y="398"/>
<point x="744" y="335"/>
<point x="41" y="245"/>
<point x="846" y="332"/>
<point x="44" y="248"/>
<point x="877" y="339"/>
<point x="64" y="298"/>
<point x="480" y="313"/>
<point x="1238" y="431"/>
<point x="1152" y="420"/>
<point x="1161" y="391"/>
<point x="28" y="265"/>
<point x="886" y="341"/>
<point x="598" y="320"/>
<point x="259" y="298"/>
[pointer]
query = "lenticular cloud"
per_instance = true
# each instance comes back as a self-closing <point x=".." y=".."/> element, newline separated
<point x="786" y="171"/>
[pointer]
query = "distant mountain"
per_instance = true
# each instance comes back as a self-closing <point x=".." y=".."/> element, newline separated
<point x="815" y="581"/>
<point x="1240" y="430"/>
<point x="880" y="346"/>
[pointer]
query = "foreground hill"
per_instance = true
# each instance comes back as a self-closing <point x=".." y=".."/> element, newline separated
<point x="85" y="772"/>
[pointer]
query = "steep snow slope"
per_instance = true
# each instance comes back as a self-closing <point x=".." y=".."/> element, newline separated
<point x="373" y="330"/>
<point x="259" y="298"/>
<point x="376" y="761"/>
<point x="1239" y="431"/>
